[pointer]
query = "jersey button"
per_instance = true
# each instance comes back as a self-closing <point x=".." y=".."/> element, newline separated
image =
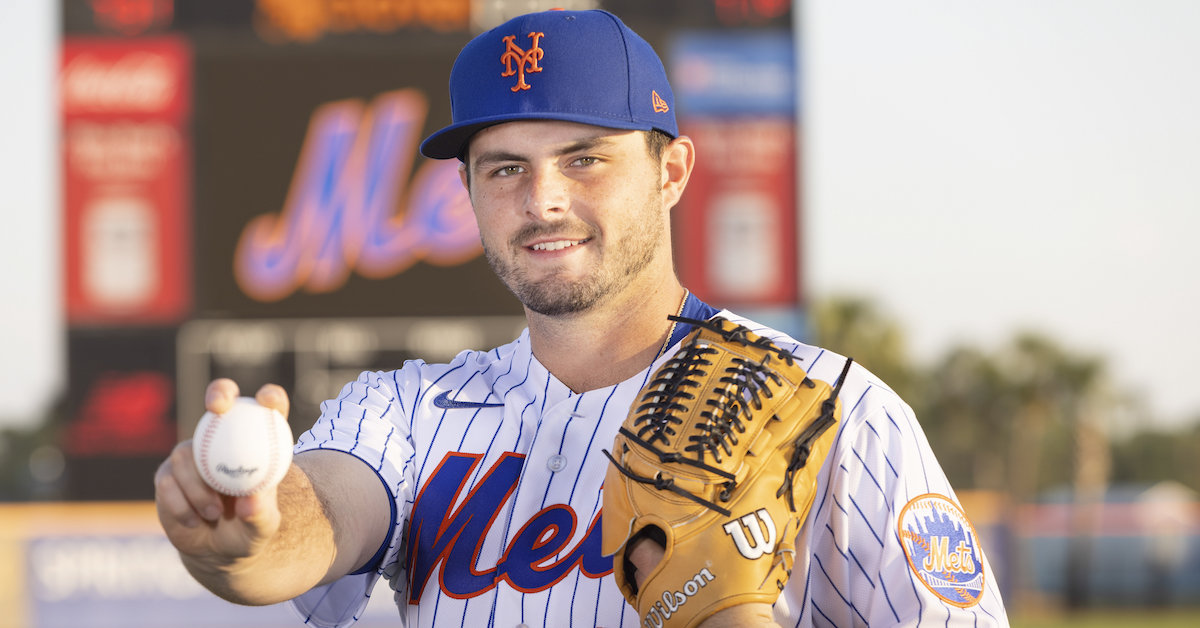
<point x="556" y="463"/>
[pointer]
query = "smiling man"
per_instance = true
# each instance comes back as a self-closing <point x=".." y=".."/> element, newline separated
<point x="475" y="487"/>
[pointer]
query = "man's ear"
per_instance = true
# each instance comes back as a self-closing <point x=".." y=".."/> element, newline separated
<point x="464" y="175"/>
<point x="679" y="158"/>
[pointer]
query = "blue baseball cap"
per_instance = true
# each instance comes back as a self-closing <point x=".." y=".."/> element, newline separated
<point x="577" y="66"/>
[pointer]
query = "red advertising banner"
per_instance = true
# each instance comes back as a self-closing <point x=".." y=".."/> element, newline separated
<point x="736" y="226"/>
<point x="126" y="105"/>
<point x="119" y="419"/>
<point x="736" y="230"/>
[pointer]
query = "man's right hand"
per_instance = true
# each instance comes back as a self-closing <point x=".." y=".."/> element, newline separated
<point x="328" y="516"/>
<point x="210" y="530"/>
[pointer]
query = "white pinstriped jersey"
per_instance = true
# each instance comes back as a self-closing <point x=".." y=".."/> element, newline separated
<point x="495" y="470"/>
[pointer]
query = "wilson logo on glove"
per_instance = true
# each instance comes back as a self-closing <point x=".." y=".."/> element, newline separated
<point x="672" y="601"/>
<point x="737" y="529"/>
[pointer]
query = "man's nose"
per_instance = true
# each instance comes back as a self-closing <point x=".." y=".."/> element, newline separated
<point x="548" y="193"/>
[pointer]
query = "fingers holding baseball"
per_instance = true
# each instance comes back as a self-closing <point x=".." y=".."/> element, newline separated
<point x="261" y="509"/>
<point x="185" y="503"/>
<point x="200" y="521"/>
<point x="242" y="526"/>
<point x="257" y="517"/>
<point x="220" y="395"/>
<point x="218" y="492"/>
<point x="223" y="392"/>
<point x="275" y="397"/>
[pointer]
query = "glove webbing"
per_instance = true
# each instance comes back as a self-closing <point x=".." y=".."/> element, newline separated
<point x="743" y="382"/>
<point x="662" y="399"/>
<point x="804" y="441"/>
<point x="747" y="378"/>
<point x="739" y="335"/>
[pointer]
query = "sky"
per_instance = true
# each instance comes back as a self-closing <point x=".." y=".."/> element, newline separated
<point x="980" y="168"/>
<point x="977" y="168"/>
<point x="31" y="322"/>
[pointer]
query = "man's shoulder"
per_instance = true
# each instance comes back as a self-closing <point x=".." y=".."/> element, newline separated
<point x="809" y="355"/>
<point x="821" y="363"/>
<point x="467" y="364"/>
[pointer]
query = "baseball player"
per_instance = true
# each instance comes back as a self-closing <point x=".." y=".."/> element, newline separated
<point x="474" y="488"/>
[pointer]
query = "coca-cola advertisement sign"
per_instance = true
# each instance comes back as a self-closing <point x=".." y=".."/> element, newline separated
<point x="126" y="173"/>
<point x="112" y="77"/>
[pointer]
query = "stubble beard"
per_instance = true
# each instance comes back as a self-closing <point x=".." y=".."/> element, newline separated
<point x="555" y="295"/>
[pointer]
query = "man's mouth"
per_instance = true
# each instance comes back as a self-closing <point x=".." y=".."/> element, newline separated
<point x="557" y="245"/>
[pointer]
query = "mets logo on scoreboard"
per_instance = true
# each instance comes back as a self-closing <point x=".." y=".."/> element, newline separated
<point x="942" y="549"/>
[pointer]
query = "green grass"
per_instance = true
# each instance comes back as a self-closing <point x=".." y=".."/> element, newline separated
<point x="1173" y="618"/>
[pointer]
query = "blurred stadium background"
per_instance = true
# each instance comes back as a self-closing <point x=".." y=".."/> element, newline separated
<point x="240" y="196"/>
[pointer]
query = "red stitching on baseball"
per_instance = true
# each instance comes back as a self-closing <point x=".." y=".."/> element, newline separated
<point x="273" y="461"/>
<point x="205" y="442"/>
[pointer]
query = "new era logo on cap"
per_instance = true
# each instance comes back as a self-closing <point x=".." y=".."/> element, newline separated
<point x="660" y="105"/>
<point x="576" y="66"/>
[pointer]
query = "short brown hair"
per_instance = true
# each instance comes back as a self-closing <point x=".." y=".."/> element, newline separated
<point x="656" y="143"/>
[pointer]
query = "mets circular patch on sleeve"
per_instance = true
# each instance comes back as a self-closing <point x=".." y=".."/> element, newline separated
<point x="943" y="549"/>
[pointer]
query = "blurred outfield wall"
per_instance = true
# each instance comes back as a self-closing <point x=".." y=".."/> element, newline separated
<point x="100" y="565"/>
<point x="103" y="565"/>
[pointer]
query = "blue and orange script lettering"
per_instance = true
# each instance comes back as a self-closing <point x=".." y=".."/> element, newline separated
<point x="350" y="206"/>
<point x="445" y="541"/>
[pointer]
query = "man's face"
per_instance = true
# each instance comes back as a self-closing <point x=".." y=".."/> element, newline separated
<point x="569" y="213"/>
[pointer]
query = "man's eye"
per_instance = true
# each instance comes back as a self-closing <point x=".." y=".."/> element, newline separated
<point x="508" y="171"/>
<point x="586" y="161"/>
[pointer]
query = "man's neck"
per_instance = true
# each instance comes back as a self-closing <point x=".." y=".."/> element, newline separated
<point x="608" y="344"/>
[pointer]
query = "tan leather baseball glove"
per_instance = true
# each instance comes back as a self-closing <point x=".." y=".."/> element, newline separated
<point x="718" y="463"/>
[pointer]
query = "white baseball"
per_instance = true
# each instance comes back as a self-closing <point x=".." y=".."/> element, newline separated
<point x="245" y="450"/>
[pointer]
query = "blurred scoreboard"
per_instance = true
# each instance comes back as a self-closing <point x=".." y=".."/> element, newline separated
<point x="314" y="358"/>
<point x="243" y="198"/>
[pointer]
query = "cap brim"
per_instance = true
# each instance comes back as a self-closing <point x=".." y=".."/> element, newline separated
<point x="451" y="142"/>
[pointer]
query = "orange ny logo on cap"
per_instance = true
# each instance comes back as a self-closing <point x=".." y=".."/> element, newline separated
<point x="526" y="60"/>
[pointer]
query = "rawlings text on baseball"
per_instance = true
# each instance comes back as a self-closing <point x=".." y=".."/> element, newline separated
<point x="243" y="451"/>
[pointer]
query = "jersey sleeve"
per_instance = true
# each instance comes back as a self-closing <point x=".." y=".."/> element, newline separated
<point x="888" y="542"/>
<point x="370" y="419"/>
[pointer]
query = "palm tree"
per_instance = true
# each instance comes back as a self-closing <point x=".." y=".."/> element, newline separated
<point x="1063" y="392"/>
<point x="856" y="327"/>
